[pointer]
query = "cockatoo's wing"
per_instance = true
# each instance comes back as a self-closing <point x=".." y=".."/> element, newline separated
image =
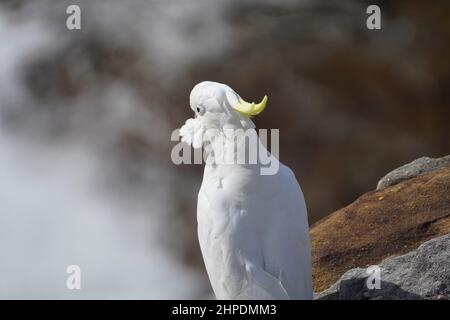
<point x="261" y="285"/>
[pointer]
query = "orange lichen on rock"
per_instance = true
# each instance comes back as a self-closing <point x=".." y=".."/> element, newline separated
<point x="379" y="224"/>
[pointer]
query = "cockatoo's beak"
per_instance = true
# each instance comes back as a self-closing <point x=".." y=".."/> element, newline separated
<point x="250" y="109"/>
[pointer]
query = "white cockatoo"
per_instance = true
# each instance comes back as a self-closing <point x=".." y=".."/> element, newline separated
<point x="252" y="228"/>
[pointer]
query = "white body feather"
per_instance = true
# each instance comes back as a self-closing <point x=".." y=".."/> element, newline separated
<point x="253" y="233"/>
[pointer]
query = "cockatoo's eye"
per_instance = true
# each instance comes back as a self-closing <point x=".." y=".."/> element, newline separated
<point x="200" y="110"/>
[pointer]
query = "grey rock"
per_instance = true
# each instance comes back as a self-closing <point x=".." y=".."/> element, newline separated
<point x="412" y="169"/>
<point x="420" y="274"/>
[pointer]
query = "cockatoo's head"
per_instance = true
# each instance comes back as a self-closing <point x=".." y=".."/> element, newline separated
<point x="218" y="107"/>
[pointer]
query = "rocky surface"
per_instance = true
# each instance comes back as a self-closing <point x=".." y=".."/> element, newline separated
<point x="421" y="274"/>
<point x="412" y="169"/>
<point x="380" y="224"/>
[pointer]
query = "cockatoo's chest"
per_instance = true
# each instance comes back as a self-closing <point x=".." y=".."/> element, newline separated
<point x="227" y="231"/>
<point x="221" y="212"/>
<point x="232" y="213"/>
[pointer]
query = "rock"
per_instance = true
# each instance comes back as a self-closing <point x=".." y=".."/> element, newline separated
<point x="380" y="224"/>
<point x="421" y="274"/>
<point x="412" y="169"/>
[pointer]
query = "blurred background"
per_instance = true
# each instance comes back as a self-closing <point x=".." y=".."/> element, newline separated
<point x="86" y="117"/>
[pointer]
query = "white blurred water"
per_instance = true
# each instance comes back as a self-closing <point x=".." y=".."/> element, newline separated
<point x="56" y="207"/>
<point x="54" y="214"/>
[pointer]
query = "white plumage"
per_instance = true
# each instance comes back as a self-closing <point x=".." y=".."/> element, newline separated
<point x="252" y="228"/>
